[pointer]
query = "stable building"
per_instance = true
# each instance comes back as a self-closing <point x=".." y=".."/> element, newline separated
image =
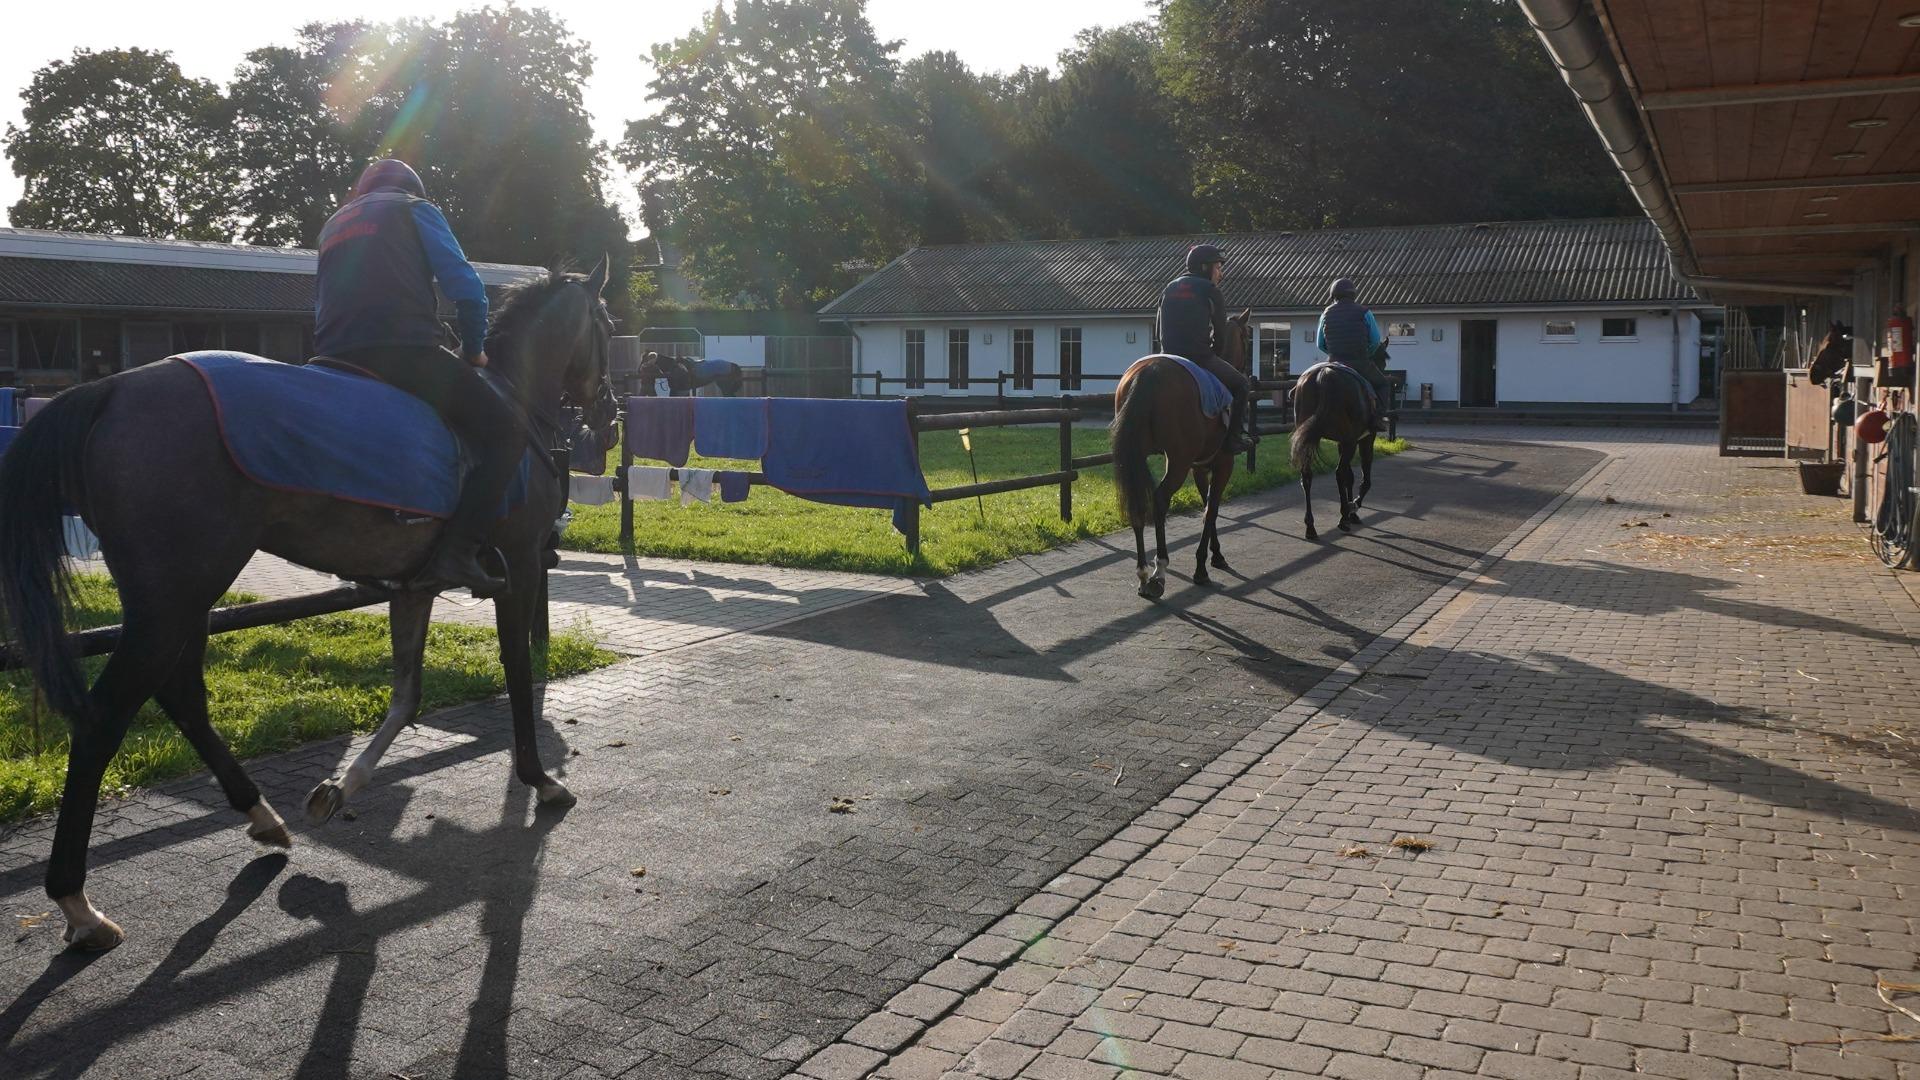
<point x="1519" y="315"/>
<point x="80" y="306"/>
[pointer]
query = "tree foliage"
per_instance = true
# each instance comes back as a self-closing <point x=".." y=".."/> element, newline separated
<point x="119" y="141"/>
<point x="775" y="144"/>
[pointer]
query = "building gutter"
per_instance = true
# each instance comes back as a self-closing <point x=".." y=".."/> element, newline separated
<point x="1571" y="32"/>
<point x="1790" y="288"/>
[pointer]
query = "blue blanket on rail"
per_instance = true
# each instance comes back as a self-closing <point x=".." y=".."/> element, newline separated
<point x="320" y="431"/>
<point x="1215" y="399"/>
<point x="850" y="453"/>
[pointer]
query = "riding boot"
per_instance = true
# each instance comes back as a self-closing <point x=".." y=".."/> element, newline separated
<point x="456" y="565"/>
<point x="1237" y="436"/>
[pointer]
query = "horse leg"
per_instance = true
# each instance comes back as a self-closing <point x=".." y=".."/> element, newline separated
<point x="1306" y="488"/>
<point x="1366" y="474"/>
<point x="513" y="617"/>
<point x="407" y="616"/>
<point x="1140" y="555"/>
<point x="1163" y="494"/>
<point x="1343" y="476"/>
<point x="1217" y="494"/>
<point x="1202" y="482"/>
<point x="184" y="697"/>
<point x="136" y="669"/>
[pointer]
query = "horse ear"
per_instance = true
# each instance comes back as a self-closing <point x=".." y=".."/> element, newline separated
<point x="1246" y="314"/>
<point x="597" y="280"/>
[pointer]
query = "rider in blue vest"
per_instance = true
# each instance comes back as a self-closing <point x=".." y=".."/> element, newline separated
<point x="1349" y="334"/>
<point x="380" y="256"/>
<point x="1193" y="325"/>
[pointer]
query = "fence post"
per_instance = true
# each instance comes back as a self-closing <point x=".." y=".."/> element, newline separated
<point x="1066" y="457"/>
<point x="1863" y="393"/>
<point x="626" y="496"/>
<point x="913" y="515"/>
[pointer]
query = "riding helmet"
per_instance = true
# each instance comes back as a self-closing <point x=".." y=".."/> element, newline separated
<point x="1343" y="289"/>
<point x="1201" y="256"/>
<point x="390" y="174"/>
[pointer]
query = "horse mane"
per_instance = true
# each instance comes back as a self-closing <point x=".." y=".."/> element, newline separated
<point x="520" y="307"/>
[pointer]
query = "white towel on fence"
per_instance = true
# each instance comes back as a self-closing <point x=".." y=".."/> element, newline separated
<point x="79" y="540"/>
<point x="696" y="484"/>
<point x="649" y="482"/>
<point x="589" y="490"/>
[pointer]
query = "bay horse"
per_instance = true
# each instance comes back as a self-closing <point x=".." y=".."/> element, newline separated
<point x="1331" y="403"/>
<point x="140" y="454"/>
<point x="685" y="375"/>
<point x="1835" y="355"/>
<point x="1156" y="410"/>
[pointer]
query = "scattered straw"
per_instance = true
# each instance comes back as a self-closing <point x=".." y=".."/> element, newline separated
<point x="1355" y="852"/>
<point x="1414" y="844"/>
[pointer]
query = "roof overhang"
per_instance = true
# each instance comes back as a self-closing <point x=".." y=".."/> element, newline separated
<point x="1775" y="162"/>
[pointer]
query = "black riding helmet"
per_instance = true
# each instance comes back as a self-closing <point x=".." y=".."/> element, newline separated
<point x="390" y="174"/>
<point x="1343" y="289"/>
<point x="1201" y="256"/>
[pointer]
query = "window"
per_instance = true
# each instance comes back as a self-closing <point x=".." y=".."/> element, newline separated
<point x="1023" y="359"/>
<point x="1619" y="329"/>
<point x="49" y="345"/>
<point x="1402" y="333"/>
<point x="957" y="342"/>
<point x="1560" y="330"/>
<point x="1276" y="350"/>
<point x="1069" y="358"/>
<point x="916" y="359"/>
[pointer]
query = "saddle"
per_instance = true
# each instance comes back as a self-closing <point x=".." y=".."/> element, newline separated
<point x="1366" y="388"/>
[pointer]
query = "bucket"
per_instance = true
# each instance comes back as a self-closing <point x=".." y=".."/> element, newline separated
<point x="1821" y="477"/>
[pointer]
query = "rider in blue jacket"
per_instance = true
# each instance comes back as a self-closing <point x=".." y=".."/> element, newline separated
<point x="1193" y="325"/>
<point x="380" y="256"/>
<point x="1349" y="334"/>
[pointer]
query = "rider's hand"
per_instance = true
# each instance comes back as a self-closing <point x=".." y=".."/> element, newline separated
<point x="478" y="359"/>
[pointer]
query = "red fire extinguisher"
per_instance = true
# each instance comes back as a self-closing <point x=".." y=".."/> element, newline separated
<point x="1899" y="340"/>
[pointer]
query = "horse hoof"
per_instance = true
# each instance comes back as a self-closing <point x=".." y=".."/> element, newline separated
<point x="1220" y="563"/>
<point x="325" y="801"/>
<point x="99" y="937"/>
<point x="1200" y="577"/>
<point x="1346" y="526"/>
<point x="555" y="794"/>
<point x="267" y="828"/>
<point x="1312" y="534"/>
<point x="1154" y="589"/>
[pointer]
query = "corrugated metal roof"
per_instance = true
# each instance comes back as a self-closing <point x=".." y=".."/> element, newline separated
<point x="1591" y="261"/>
<point x="71" y="283"/>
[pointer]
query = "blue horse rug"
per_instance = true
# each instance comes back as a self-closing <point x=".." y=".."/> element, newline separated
<point x="1215" y="398"/>
<point x="317" y="430"/>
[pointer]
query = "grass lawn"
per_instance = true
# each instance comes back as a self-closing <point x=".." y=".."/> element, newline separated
<point x="271" y="688"/>
<point x="778" y="529"/>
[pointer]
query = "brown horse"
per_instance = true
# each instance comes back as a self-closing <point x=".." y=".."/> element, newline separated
<point x="1836" y="352"/>
<point x="1156" y="410"/>
<point x="1332" y="403"/>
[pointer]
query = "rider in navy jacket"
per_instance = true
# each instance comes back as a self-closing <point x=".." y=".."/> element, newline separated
<point x="1193" y="325"/>
<point x="380" y="256"/>
<point x="1348" y="333"/>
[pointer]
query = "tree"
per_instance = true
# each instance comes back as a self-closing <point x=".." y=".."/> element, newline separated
<point x="1105" y="155"/>
<point x="778" y="144"/>
<point x="1313" y="113"/>
<point x="294" y="151"/>
<point x="960" y="133"/>
<point x="119" y="141"/>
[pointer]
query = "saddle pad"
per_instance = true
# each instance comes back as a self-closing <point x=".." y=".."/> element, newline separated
<point x="1215" y="398"/>
<point x="1373" y="399"/>
<point x="320" y="431"/>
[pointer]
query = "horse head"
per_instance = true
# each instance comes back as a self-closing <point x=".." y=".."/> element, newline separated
<point x="1834" y="353"/>
<point x="552" y="338"/>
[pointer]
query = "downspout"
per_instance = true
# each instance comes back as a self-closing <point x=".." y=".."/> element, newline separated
<point x="1676" y="359"/>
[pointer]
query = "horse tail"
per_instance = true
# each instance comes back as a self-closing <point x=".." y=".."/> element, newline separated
<point x="1131" y="427"/>
<point x="1306" y="428"/>
<point x="40" y="476"/>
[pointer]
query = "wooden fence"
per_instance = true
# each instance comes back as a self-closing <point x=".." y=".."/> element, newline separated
<point x="1809" y="424"/>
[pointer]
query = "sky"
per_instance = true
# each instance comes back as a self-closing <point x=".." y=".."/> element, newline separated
<point x="989" y="35"/>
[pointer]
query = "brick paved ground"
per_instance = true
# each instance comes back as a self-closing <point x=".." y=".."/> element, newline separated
<point x="987" y="733"/>
<point x="633" y="606"/>
<point x="1667" y="773"/>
